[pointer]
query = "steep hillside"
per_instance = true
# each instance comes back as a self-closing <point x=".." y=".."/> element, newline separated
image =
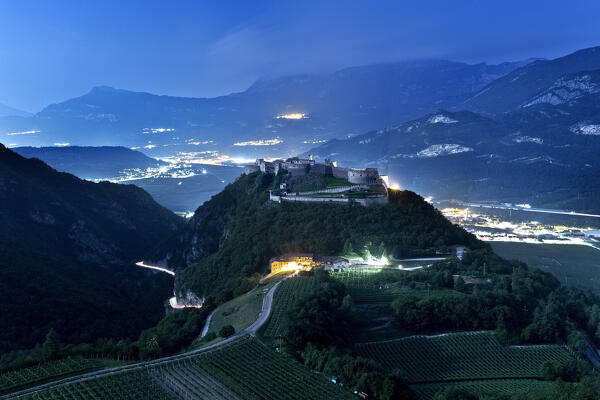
<point x="90" y="162"/>
<point x="522" y="85"/>
<point x="232" y="237"/>
<point x="352" y="100"/>
<point x="67" y="250"/>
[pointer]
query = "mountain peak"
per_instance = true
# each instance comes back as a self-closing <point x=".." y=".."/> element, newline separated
<point x="103" y="88"/>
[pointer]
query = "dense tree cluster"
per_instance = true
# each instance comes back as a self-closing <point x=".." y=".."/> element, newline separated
<point x="170" y="335"/>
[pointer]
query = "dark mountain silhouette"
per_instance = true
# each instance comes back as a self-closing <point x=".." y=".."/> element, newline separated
<point x="67" y="249"/>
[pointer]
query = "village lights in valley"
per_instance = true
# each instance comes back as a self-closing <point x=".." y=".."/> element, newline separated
<point x="292" y="116"/>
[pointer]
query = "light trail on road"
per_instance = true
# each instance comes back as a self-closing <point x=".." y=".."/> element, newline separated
<point x="173" y="300"/>
<point x="141" y="264"/>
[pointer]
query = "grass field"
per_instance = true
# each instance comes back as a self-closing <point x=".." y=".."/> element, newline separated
<point x="242" y="311"/>
<point x="573" y="265"/>
<point x="461" y="356"/>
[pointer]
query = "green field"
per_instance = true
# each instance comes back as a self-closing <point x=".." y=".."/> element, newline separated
<point x="461" y="356"/>
<point x="573" y="265"/>
<point x="286" y="295"/>
<point x="504" y="387"/>
<point x="312" y="182"/>
<point x="241" y="311"/>
<point x="51" y="370"/>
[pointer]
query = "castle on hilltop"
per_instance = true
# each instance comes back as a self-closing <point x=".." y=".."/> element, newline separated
<point x="298" y="166"/>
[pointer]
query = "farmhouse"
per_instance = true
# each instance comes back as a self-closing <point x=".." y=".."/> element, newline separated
<point x="306" y="262"/>
<point x="292" y="262"/>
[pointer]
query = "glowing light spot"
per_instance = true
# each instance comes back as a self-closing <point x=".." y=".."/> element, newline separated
<point x="292" y="116"/>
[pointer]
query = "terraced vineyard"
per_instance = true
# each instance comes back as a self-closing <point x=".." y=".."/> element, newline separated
<point x="370" y="286"/>
<point x="185" y="379"/>
<point x="243" y="369"/>
<point x="136" y="385"/>
<point x="506" y="387"/>
<point x="461" y="356"/>
<point x="253" y="372"/>
<point x="53" y="369"/>
<point x="287" y="293"/>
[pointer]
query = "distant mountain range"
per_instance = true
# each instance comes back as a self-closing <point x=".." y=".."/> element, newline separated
<point x="541" y="147"/>
<point x="530" y="132"/>
<point x="68" y="249"/>
<point x="522" y="86"/>
<point x="349" y="101"/>
<point x="7" y="111"/>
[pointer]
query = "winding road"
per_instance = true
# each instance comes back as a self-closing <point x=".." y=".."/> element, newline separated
<point x="250" y="330"/>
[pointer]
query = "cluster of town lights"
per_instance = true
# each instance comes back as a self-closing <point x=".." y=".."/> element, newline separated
<point x="292" y="116"/>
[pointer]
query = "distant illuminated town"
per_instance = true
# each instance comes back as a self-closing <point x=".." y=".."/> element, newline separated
<point x="493" y="228"/>
<point x="292" y="116"/>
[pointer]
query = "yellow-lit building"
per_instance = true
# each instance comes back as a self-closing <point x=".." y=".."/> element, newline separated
<point x="292" y="262"/>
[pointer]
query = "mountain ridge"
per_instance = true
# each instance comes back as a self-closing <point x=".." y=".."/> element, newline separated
<point x="68" y="248"/>
<point x="351" y="100"/>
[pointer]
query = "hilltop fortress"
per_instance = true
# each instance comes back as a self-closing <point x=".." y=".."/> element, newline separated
<point x="340" y="185"/>
<point x="298" y="166"/>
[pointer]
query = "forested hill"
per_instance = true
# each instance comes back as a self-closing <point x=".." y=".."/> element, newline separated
<point x="229" y="241"/>
<point x="67" y="248"/>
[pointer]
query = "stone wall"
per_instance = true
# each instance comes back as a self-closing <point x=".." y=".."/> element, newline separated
<point x="341" y="173"/>
<point x="368" y="176"/>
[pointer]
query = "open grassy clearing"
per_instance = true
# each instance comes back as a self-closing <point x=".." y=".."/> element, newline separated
<point x="573" y="265"/>
<point x="242" y="311"/>
<point x="312" y="182"/>
<point x="461" y="356"/>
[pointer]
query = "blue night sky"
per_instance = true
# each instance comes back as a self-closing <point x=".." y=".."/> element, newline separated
<point x="54" y="50"/>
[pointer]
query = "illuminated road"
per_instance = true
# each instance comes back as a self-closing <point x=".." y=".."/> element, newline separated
<point x="161" y="269"/>
<point x="251" y="330"/>
<point x="172" y="300"/>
